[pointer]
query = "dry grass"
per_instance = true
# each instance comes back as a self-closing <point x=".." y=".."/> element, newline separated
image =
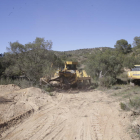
<point x="19" y="82"/>
<point x="130" y="101"/>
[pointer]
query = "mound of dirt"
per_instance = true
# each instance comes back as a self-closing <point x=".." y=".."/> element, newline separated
<point x="6" y="89"/>
<point x="15" y="101"/>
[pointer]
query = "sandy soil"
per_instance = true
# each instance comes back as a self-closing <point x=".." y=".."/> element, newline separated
<point x="73" y="115"/>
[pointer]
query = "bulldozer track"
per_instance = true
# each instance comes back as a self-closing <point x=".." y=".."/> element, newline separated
<point x="14" y="121"/>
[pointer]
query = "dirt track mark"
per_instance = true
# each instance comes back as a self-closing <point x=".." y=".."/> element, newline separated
<point x="14" y="121"/>
<point x="80" y="116"/>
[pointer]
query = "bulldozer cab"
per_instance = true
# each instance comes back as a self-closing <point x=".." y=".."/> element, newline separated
<point x="69" y="65"/>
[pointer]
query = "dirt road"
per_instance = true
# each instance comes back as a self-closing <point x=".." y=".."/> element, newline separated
<point x="73" y="116"/>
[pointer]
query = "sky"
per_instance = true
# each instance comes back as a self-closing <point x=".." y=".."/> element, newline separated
<point x="69" y="24"/>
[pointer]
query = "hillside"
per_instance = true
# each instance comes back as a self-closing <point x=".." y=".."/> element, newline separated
<point x="80" y="54"/>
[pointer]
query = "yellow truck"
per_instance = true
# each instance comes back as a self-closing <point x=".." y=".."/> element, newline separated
<point x="134" y="75"/>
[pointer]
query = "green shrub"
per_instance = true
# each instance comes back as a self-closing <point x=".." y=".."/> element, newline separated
<point x="105" y="66"/>
<point x="107" y="81"/>
<point x="51" y="94"/>
<point x="123" y="106"/>
<point x="22" y="83"/>
<point x="48" y="88"/>
<point x="135" y="103"/>
<point x="123" y="75"/>
<point x="93" y="85"/>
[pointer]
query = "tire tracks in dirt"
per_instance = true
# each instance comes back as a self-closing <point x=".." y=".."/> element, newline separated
<point x="82" y="116"/>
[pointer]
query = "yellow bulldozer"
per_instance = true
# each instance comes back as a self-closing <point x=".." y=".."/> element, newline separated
<point x="134" y="75"/>
<point x="69" y="76"/>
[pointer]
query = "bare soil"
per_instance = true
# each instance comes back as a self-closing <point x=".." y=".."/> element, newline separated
<point x="31" y="114"/>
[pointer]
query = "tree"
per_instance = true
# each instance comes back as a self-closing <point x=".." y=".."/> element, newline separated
<point x="2" y="66"/>
<point x="123" y="46"/>
<point x="104" y="66"/>
<point x="33" y="60"/>
<point x="136" y="42"/>
<point x="130" y="61"/>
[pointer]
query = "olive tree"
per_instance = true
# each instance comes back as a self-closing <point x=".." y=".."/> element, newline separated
<point x="104" y="66"/>
<point x="33" y="60"/>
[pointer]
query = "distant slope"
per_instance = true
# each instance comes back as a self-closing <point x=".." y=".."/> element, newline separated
<point x="81" y="51"/>
<point x="78" y="55"/>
